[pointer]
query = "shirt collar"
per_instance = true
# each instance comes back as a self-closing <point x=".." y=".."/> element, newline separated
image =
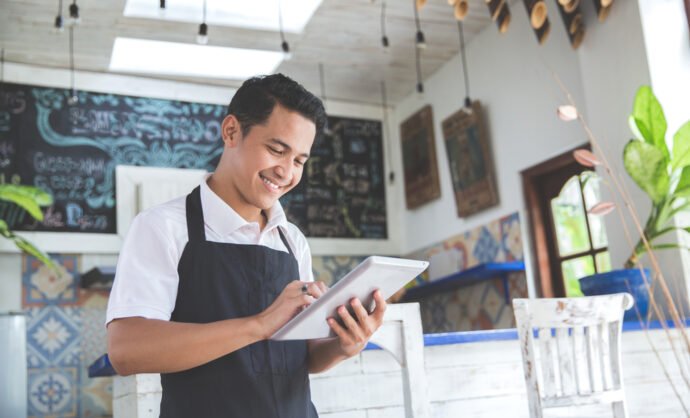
<point x="224" y="220"/>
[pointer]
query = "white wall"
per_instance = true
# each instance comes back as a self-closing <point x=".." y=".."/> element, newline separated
<point x="668" y="51"/>
<point x="511" y="75"/>
<point x="613" y="65"/>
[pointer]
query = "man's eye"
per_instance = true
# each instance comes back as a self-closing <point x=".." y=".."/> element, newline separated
<point x="275" y="151"/>
<point x="299" y="162"/>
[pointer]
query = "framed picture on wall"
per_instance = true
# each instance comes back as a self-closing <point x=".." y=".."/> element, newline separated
<point x="470" y="161"/>
<point x="419" y="158"/>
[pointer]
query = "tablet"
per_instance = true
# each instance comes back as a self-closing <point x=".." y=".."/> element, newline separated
<point x="384" y="273"/>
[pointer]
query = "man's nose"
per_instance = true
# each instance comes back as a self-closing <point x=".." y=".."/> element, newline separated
<point x="284" y="171"/>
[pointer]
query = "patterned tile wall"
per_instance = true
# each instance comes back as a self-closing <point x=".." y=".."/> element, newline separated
<point x="65" y="334"/>
<point x="482" y="305"/>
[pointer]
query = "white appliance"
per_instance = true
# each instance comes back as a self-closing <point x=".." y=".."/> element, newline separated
<point x="13" y="369"/>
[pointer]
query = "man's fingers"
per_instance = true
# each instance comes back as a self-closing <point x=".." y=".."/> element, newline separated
<point x="351" y="325"/>
<point x="380" y="306"/>
<point x="338" y="329"/>
<point x="362" y="316"/>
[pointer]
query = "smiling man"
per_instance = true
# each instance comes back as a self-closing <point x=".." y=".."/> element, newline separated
<point x="203" y="281"/>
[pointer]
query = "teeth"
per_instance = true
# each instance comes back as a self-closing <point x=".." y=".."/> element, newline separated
<point x="270" y="183"/>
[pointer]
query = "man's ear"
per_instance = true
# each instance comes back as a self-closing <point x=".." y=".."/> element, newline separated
<point x="231" y="131"/>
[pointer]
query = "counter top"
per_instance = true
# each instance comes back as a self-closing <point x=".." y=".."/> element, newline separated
<point x="102" y="366"/>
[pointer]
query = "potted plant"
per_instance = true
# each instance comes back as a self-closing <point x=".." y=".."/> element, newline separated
<point x="31" y="199"/>
<point x="664" y="175"/>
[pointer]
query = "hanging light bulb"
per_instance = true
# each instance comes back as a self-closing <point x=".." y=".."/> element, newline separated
<point x="421" y="42"/>
<point x="384" y="38"/>
<point x="419" y="38"/>
<point x="161" y="8"/>
<point x="73" y="98"/>
<point x="74" y="13"/>
<point x="202" y="36"/>
<point x="287" y="54"/>
<point x="58" y="26"/>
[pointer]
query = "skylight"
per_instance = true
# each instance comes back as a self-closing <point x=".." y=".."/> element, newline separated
<point x="254" y="14"/>
<point x="170" y="58"/>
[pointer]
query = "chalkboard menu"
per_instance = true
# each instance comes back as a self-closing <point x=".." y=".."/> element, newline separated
<point x="342" y="193"/>
<point x="71" y="150"/>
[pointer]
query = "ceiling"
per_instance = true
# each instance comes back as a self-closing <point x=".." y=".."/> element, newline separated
<point x="344" y="35"/>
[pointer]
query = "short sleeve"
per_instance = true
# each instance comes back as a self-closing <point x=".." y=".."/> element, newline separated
<point x="146" y="276"/>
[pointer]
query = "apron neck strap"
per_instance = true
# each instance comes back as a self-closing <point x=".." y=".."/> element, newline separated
<point x="195" y="216"/>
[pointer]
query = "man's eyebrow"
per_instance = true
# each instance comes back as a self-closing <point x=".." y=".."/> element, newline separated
<point x="287" y="147"/>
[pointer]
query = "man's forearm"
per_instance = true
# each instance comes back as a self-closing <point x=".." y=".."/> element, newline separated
<point x="139" y="345"/>
<point x="324" y="354"/>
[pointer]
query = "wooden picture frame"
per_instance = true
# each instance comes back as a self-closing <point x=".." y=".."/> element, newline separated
<point x="419" y="158"/>
<point x="470" y="161"/>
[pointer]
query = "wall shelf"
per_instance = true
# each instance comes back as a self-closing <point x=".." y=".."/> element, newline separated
<point x="466" y="277"/>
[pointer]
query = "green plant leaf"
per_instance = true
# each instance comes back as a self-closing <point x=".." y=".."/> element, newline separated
<point x="681" y="147"/>
<point x="650" y="119"/>
<point x="28" y="198"/>
<point x="683" y="186"/>
<point x="31" y="249"/>
<point x="646" y="165"/>
<point x="41" y="197"/>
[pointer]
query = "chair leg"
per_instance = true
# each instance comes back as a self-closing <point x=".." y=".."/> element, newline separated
<point x="619" y="410"/>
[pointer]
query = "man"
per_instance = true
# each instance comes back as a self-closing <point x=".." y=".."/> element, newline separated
<point x="204" y="280"/>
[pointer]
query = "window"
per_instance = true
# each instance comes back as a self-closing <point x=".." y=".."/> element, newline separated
<point x="568" y="242"/>
<point x="580" y="238"/>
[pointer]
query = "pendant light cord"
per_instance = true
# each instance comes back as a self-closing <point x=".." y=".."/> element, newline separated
<point x="322" y="82"/>
<point x="280" y="21"/>
<point x="416" y="15"/>
<point x="71" y="56"/>
<point x="386" y="133"/>
<point x="383" y="19"/>
<point x="464" y="63"/>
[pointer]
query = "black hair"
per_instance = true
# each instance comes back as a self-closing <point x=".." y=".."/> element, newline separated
<point x="254" y="101"/>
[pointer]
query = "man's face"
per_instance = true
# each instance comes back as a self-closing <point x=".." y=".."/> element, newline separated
<point x="270" y="159"/>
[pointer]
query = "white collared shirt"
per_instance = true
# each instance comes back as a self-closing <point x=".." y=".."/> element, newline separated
<point x="146" y="276"/>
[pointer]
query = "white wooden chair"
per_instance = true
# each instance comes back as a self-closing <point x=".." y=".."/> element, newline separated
<point x="578" y="361"/>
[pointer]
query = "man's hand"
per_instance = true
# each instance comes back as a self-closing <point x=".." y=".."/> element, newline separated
<point x="288" y="304"/>
<point x="354" y="332"/>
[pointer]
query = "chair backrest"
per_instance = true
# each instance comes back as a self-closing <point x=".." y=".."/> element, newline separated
<point x="571" y="350"/>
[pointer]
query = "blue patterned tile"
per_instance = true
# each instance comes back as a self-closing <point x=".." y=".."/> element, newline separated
<point x="53" y="336"/>
<point x="95" y="395"/>
<point x="511" y="239"/>
<point x="53" y="392"/>
<point x="43" y="286"/>
<point x="493" y="302"/>
<point x="486" y="248"/>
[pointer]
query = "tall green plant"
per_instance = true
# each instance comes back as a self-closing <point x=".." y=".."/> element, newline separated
<point x="663" y="173"/>
<point x="30" y="199"/>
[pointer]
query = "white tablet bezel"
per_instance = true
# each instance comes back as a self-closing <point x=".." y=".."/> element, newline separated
<point x="387" y="274"/>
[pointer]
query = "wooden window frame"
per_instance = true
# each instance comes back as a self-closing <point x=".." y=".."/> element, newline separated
<point x="547" y="283"/>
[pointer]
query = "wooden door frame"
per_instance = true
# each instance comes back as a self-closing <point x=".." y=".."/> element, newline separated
<point x="544" y="283"/>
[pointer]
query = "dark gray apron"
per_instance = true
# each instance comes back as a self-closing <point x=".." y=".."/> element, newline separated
<point x="222" y="281"/>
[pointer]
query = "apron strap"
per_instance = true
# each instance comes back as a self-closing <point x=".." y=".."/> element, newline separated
<point x="195" y="216"/>
<point x="285" y="242"/>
